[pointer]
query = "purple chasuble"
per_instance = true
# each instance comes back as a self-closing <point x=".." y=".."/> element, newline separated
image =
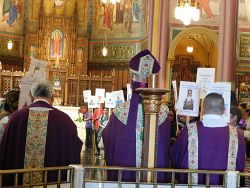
<point x="120" y="141"/>
<point x="213" y="144"/>
<point x="63" y="147"/>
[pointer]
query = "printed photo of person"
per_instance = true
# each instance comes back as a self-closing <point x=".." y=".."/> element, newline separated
<point x="189" y="102"/>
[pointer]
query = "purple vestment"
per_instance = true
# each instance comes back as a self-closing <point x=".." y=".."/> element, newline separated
<point x="120" y="141"/>
<point x="63" y="147"/>
<point x="212" y="152"/>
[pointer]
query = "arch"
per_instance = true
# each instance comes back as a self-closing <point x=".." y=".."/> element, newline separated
<point x="186" y="32"/>
<point x="211" y="34"/>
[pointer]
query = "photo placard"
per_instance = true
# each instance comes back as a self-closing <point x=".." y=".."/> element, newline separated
<point x="118" y="96"/>
<point x="109" y="100"/>
<point x="100" y="95"/>
<point x="86" y="95"/>
<point x="92" y="103"/>
<point x="189" y="99"/>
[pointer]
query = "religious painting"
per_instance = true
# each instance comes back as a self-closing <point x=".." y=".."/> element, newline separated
<point x="244" y="14"/>
<point x="33" y="52"/>
<point x="79" y="54"/>
<point x="209" y="12"/>
<point x="124" y="19"/>
<point x="184" y="69"/>
<point x="56" y="44"/>
<point x="11" y="16"/>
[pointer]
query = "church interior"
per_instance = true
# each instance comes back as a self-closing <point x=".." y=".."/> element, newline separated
<point x="88" y="44"/>
<point x="71" y="37"/>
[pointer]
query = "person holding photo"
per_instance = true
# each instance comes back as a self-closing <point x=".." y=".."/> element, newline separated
<point x="215" y="145"/>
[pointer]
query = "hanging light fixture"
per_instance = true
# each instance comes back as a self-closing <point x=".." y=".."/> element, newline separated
<point x="190" y="47"/>
<point x="104" y="49"/>
<point x="110" y="1"/>
<point x="187" y="10"/>
<point x="10" y="45"/>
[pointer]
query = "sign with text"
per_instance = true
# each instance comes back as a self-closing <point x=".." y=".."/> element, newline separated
<point x="189" y="99"/>
<point x="118" y="96"/>
<point x="37" y="71"/>
<point x="92" y="102"/>
<point x="224" y="89"/>
<point x="86" y="95"/>
<point x="109" y="100"/>
<point x="100" y="95"/>
<point x="204" y="75"/>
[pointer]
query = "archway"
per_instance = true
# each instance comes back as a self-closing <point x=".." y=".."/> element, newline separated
<point x="192" y="33"/>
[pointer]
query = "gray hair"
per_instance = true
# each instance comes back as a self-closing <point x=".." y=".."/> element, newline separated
<point x="42" y="88"/>
<point x="214" y="104"/>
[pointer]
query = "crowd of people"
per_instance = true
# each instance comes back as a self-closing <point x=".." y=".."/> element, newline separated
<point x="40" y="135"/>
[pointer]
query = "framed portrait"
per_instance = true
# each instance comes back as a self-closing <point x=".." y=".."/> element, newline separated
<point x="56" y="43"/>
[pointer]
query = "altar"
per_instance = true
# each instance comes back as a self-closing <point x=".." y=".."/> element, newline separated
<point x="73" y="114"/>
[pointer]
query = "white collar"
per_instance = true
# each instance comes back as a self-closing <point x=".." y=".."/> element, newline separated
<point x="36" y="100"/>
<point x="213" y="120"/>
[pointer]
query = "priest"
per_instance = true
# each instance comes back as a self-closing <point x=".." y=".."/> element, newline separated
<point x="39" y="136"/>
<point x="123" y="134"/>
<point x="210" y="144"/>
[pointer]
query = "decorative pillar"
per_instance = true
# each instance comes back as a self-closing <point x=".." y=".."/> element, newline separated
<point x="227" y="40"/>
<point x="158" y="36"/>
<point x="151" y="101"/>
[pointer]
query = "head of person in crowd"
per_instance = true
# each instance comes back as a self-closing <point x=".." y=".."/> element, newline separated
<point x="235" y="116"/>
<point x="42" y="89"/>
<point x="11" y="101"/>
<point x="244" y="110"/>
<point x="172" y="115"/>
<point x="214" y="104"/>
<point x="234" y="101"/>
<point x="102" y="105"/>
<point x="84" y="108"/>
<point x="106" y="111"/>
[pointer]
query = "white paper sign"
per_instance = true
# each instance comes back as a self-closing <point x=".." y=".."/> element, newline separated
<point x="129" y="92"/>
<point x="204" y="75"/>
<point x="37" y="71"/>
<point x="189" y="99"/>
<point x="86" y="95"/>
<point x="92" y="103"/>
<point x="109" y="100"/>
<point x="175" y="91"/>
<point x="118" y="96"/>
<point x="223" y="88"/>
<point x="100" y="95"/>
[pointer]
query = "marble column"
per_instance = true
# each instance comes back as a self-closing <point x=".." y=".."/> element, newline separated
<point x="158" y="36"/>
<point x="227" y="40"/>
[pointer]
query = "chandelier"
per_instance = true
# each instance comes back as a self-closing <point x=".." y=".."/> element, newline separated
<point x="110" y="1"/>
<point x="187" y="10"/>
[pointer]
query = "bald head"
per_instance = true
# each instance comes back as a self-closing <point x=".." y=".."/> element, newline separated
<point x="214" y="104"/>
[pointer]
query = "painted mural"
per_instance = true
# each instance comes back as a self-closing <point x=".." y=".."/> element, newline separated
<point x="11" y="16"/>
<point x="124" y="19"/>
<point x="209" y="13"/>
